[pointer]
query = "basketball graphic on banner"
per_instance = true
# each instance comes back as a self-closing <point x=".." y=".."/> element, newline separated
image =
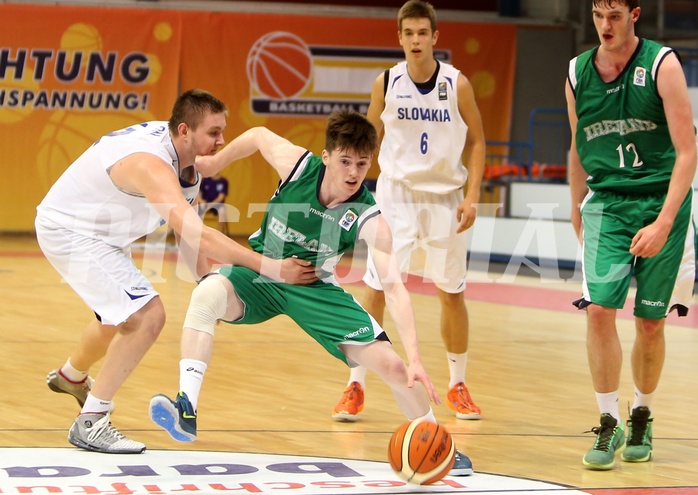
<point x="279" y="65"/>
<point x="68" y="134"/>
<point x="81" y="38"/>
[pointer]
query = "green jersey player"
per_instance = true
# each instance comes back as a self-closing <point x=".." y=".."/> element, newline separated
<point x="632" y="162"/>
<point x="319" y="211"/>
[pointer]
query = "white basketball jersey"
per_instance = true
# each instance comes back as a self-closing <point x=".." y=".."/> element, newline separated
<point x="85" y="200"/>
<point x="424" y="133"/>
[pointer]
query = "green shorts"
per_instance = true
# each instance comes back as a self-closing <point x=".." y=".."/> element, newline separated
<point x="610" y="222"/>
<point x="326" y="312"/>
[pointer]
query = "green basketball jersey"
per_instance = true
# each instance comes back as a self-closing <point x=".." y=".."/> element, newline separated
<point x="297" y="224"/>
<point x="622" y="134"/>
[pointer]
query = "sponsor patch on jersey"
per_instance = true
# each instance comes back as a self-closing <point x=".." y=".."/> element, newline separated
<point x="443" y="95"/>
<point x="348" y="220"/>
<point x="640" y="76"/>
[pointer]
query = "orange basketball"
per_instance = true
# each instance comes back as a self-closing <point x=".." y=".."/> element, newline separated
<point x="421" y="452"/>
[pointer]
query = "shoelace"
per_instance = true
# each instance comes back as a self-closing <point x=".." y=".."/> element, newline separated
<point x="604" y="436"/>
<point x="104" y="428"/>
<point x="349" y="396"/>
<point x="464" y="396"/>
<point x="638" y="430"/>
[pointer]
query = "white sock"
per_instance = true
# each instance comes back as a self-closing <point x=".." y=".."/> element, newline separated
<point x="608" y="404"/>
<point x="191" y="377"/>
<point x="456" y="367"/>
<point x="643" y="400"/>
<point x="358" y="374"/>
<point x="93" y="405"/>
<point x="72" y="374"/>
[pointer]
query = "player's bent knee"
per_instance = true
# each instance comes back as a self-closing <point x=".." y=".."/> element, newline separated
<point x="208" y="303"/>
<point x="150" y="318"/>
<point x="393" y="371"/>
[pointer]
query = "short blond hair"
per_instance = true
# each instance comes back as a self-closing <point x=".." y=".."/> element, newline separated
<point x="192" y="106"/>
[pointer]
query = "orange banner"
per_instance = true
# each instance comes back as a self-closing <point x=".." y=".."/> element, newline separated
<point x="68" y="75"/>
<point x="81" y="72"/>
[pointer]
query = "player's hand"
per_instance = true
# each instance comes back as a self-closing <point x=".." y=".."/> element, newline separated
<point x="416" y="372"/>
<point x="291" y="271"/>
<point x="649" y="240"/>
<point x="465" y="215"/>
<point x="206" y="165"/>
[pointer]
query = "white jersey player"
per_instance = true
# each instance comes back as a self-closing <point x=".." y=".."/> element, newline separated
<point x="123" y="187"/>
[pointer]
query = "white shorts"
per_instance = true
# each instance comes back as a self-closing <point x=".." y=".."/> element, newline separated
<point x="103" y="276"/>
<point x="424" y="227"/>
<point x="682" y="295"/>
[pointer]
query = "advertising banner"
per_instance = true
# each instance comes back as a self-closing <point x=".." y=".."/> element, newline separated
<point x="71" y="74"/>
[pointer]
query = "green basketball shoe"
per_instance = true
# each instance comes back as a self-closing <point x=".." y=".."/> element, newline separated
<point x="610" y="440"/>
<point x="638" y="448"/>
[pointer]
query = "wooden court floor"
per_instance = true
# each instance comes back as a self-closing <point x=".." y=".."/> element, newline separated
<point x="270" y="388"/>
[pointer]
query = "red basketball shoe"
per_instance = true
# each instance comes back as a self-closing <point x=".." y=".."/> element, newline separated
<point x="459" y="400"/>
<point x="351" y="403"/>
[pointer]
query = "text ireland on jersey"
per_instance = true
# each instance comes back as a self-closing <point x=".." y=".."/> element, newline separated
<point x="621" y="126"/>
<point x="288" y="234"/>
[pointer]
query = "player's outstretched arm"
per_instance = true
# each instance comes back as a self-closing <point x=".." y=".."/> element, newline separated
<point x="376" y="233"/>
<point x="278" y="151"/>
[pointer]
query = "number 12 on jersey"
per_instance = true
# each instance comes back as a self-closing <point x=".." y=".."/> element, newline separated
<point x="630" y="148"/>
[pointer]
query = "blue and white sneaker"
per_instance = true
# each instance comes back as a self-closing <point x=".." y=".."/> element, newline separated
<point x="462" y="466"/>
<point x="177" y="417"/>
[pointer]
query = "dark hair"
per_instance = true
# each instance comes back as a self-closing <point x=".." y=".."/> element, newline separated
<point x="348" y="130"/>
<point x="416" y="9"/>
<point x="192" y="106"/>
<point x="631" y="4"/>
